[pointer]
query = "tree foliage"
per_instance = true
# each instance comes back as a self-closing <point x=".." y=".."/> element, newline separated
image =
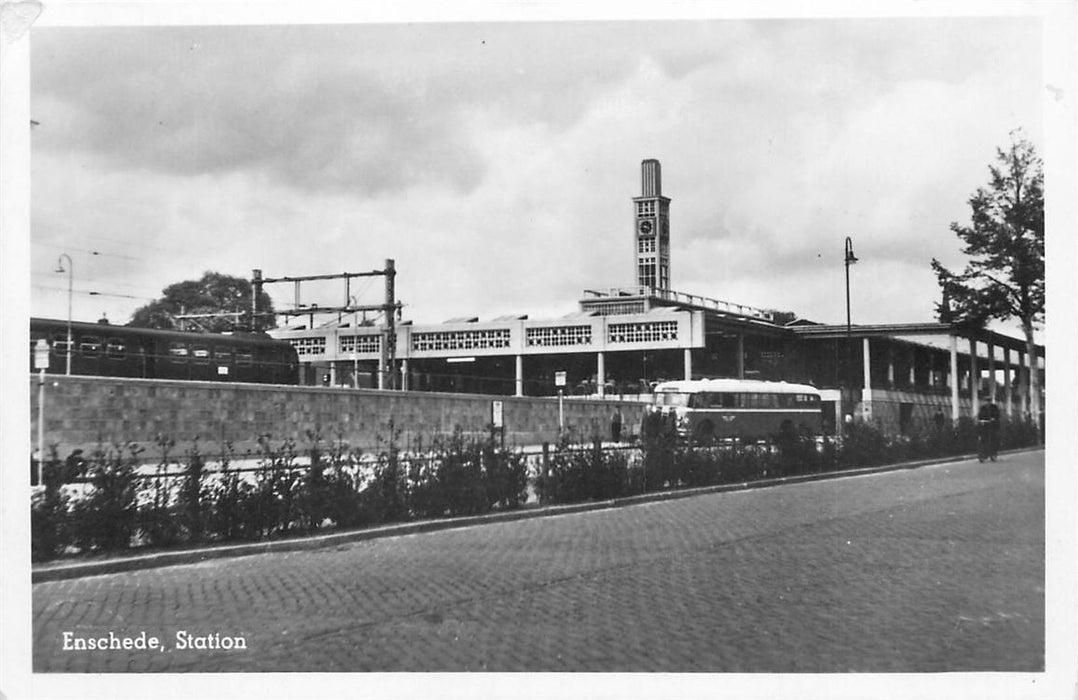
<point x="1004" y="277"/>
<point x="214" y="293"/>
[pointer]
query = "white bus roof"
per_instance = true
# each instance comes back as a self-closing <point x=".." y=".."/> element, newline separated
<point x="735" y="385"/>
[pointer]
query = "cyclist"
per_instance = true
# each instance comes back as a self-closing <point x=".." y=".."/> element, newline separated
<point x="988" y="432"/>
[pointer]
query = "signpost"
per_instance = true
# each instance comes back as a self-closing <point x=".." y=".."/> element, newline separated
<point x="497" y="419"/>
<point x="41" y="363"/>
<point x="559" y="381"/>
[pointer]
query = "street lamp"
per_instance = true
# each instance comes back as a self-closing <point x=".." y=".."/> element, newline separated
<point x="850" y="259"/>
<point x="70" y="279"/>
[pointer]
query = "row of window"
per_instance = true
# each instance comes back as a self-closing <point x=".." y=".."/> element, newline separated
<point x="309" y="346"/>
<point x="201" y="354"/>
<point x="649" y="332"/>
<point x="116" y="349"/>
<point x="461" y="340"/>
<point x="737" y="400"/>
<point x="366" y="343"/>
<point x="558" y="336"/>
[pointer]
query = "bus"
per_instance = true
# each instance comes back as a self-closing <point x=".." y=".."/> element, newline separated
<point x="706" y="410"/>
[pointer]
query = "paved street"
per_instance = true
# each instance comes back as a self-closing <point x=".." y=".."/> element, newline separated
<point x="934" y="569"/>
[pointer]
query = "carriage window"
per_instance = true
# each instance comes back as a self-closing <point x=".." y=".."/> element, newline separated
<point x="201" y="354"/>
<point x="177" y="352"/>
<point x="245" y="358"/>
<point x="222" y="354"/>
<point x="90" y="345"/>
<point x="116" y="349"/>
<point x="59" y="344"/>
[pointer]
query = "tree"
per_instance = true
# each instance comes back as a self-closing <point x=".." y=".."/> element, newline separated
<point x="1004" y="277"/>
<point x="214" y="293"/>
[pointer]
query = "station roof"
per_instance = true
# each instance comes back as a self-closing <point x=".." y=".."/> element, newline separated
<point x="893" y="330"/>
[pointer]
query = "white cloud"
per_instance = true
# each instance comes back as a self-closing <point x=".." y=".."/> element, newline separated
<point x="496" y="163"/>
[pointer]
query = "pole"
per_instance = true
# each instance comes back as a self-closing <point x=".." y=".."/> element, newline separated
<point x="70" y="286"/>
<point x="256" y="291"/>
<point x="561" y="411"/>
<point x="849" y="259"/>
<point x="41" y="427"/>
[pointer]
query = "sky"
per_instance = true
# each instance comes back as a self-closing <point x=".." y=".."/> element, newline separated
<point x="496" y="162"/>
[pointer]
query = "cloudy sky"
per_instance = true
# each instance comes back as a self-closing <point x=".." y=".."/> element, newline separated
<point x="496" y="162"/>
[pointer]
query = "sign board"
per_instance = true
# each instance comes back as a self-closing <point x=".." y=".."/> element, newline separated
<point x="41" y="354"/>
<point x="496" y="417"/>
<point x="222" y="370"/>
<point x="559" y="379"/>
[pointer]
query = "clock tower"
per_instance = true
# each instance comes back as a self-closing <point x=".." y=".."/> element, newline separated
<point x="651" y="220"/>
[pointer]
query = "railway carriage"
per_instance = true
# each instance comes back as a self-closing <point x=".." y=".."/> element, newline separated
<point x="101" y="349"/>
<point x="705" y="410"/>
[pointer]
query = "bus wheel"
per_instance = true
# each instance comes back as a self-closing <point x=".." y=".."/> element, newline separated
<point x="704" y="433"/>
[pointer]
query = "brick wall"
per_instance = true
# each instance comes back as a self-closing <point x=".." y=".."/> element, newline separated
<point x="80" y="410"/>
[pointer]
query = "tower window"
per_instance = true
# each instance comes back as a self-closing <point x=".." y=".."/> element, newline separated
<point x="645" y="208"/>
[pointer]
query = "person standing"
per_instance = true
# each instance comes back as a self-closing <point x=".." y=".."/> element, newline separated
<point x="988" y="420"/>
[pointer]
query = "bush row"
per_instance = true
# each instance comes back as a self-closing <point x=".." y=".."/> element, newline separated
<point x="454" y="475"/>
<point x="573" y="473"/>
<point x="120" y="508"/>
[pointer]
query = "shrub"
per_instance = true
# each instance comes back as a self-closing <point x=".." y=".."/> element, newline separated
<point x="226" y="498"/>
<point x="384" y="497"/>
<point x="48" y="512"/>
<point x="156" y="516"/>
<point x="106" y="517"/>
<point x="193" y="497"/>
<point x="576" y="473"/>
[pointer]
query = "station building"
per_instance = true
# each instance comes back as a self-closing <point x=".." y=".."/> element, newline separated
<point x="620" y="342"/>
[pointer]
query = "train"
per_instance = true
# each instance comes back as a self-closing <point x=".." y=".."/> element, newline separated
<point x="705" y="410"/>
<point x="106" y="350"/>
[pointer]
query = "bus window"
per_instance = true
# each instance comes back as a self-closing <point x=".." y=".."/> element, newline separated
<point x="672" y="398"/>
<point x="90" y="345"/>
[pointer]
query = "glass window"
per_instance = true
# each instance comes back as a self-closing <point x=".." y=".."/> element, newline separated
<point x="59" y="344"/>
<point x="672" y="398"/>
<point x="245" y="358"/>
<point x="116" y="349"/>
<point x="90" y="345"/>
<point x="222" y="354"/>
<point x="201" y="354"/>
<point x="177" y="352"/>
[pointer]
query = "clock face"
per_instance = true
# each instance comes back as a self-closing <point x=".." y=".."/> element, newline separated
<point x="645" y="226"/>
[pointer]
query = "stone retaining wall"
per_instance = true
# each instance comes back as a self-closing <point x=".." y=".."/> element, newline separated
<point x="80" y="411"/>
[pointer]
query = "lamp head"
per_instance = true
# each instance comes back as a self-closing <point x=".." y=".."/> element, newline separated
<point x="850" y="257"/>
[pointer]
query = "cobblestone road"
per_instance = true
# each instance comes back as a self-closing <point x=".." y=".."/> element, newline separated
<point x="935" y="569"/>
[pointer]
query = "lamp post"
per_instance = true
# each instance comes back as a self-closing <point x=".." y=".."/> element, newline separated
<point x="70" y="279"/>
<point x="850" y="259"/>
<point x="355" y="343"/>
